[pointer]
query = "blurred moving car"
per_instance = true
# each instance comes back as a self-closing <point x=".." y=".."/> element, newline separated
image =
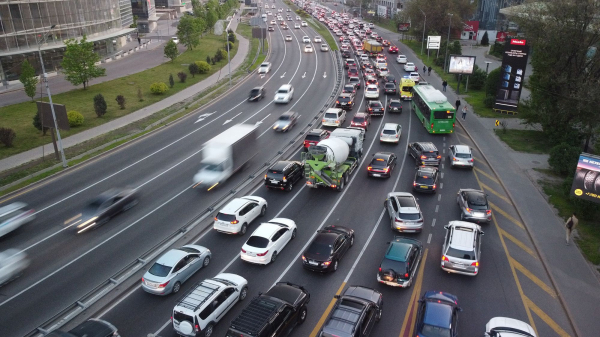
<point x="327" y="248"/>
<point x="305" y="39"/>
<point x="409" y="66"/>
<point x="286" y="121"/>
<point x="264" y="68"/>
<point x="308" y="49"/>
<point x="288" y="38"/>
<point x="13" y="216"/>
<point x="174" y="268"/>
<point x="104" y="207"/>
<point x="393" y="50"/>
<point x="256" y="94"/>
<point x="238" y="214"/>
<point x="284" y="94"/>
<point x="317" y="39"/>
<point x="271" y="28"/>
<point x="12" y="264"/>
<point x="93" y="327"/>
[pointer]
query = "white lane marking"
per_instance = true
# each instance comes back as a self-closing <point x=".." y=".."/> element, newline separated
<point x="232" y="118"/>
<point x="441" y="186"/>
<point x="91" y="250"/>
<point x="442" y="175"/>
<point x="282" y="76"/>
<point x="439" y="197"/>
<point x="262" y="120"/>
<point x="303" y="76"/>
<point x="325" y="74"/>
<point x="442" y="166"/>
<point x="204" y="116"/>
<point x="437" y="208"/>
<point x="429" y="239"/>
<point x="433" y="223"/>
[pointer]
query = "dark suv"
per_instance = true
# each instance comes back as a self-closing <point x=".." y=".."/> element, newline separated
<point x="425" y="153"/>
<point x="283" y="174"/>
<point x="354" y="314"/>
<point x="345" y="101"/>
<point x="272" y="314"/>
<point x="375" y="108"/>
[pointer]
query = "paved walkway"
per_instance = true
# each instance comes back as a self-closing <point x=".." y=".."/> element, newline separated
<point x="27" y="156"/>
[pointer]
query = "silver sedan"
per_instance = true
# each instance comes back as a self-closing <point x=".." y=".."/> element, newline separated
<point x="12" y="264"/>
<point x="173" y="268"/>
<point x="473" y="205"/>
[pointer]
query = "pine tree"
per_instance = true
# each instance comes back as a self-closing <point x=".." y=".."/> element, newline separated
<point x="28" y="79"/>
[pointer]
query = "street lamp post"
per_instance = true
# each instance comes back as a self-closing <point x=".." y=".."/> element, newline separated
<point x="423" y="38"/>
<point x="487" y="66"/>
<point x="227" y="43"/>
<point x="448" y="43"/>
<point x="45" y="80"/>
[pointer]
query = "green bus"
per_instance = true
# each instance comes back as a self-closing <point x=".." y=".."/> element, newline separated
<point x="433" y="109"/>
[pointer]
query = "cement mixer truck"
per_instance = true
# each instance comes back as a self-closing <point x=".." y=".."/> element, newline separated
<point x="331" y="162"/>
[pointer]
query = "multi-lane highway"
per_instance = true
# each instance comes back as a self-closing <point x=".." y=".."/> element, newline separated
<point x="65" y="266"/>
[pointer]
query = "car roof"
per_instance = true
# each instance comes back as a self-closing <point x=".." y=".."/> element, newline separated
<point x="398" y="251"/>
<point x="316" y="132"/>
<point x="326" y="237"/>
<point x="438" y="314"/>
<point x="234" y="205"/>
<point x="463" y="236"/>
<point x="257" y="88"/>
<point x="286" y="292"/>
<point x="426" y="170"/>
<point x="370" y="86"/>
<point x="280" y="165"/>
<point x="390" y="84"/>
<point x="171" y="257"/>
<point x="462" y="149"/>
<point x="427" y="146"/>
<point x="353" y="78"/>
<point x="345" y="94"/>
<point x="382" y="155"/>
<point x="267" y="229"/>
<point x="286" y="86"/>
<point x="361" y="114"/>
<point x="390" y="126"/>
<point x="375" y="102"/>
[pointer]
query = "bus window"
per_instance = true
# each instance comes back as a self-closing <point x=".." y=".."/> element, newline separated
<point x="443" y="114"/>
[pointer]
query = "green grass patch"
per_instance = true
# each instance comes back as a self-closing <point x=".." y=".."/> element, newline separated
<point x="318" y="27"/>
<point x="530" y="141"/>
<point x="19" y="116"/>
<point x="246" y="31"/>
<point x="385" y="23"/>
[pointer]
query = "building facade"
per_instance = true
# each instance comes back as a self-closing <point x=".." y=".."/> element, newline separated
<point x="145" y="10"/>
<point x="489" y="17"/>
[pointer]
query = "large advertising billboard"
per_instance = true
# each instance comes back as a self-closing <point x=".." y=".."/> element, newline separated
<point x="512" y="75"/>
<point x="403" y="26"/>
<point x="586" y="184"/>
<point x="461" y="64"/>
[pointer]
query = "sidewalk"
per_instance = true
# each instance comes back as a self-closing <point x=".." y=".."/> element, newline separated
<point x="27" y="156"/>
<point x="576" y="282"/>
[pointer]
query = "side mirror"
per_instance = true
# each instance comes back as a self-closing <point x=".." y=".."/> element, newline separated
<point x="481" y="233"/>
<point x="447" y="227"/>
<point x="459" y="309"/>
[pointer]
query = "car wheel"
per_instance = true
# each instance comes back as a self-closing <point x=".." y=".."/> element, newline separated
<point x="243" y="229"/>
<point x="176" y="287"/>
<point x="294" y="234"/>
<point x="378" y="318"/>
<point x="208" y="330"/>
<point x="335" y="265"/>
<point x="302" y="315"/>
<point x="243" y="293"/>
<point x="274" y="257"/>
<point x="263" y="211"/>
<point x="352" y="241"/>
<point x="341" y="186"/>
<point x="290" y="186"/>
<point x="206" y="261"/>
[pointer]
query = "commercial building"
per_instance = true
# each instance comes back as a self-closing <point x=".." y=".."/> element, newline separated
<point x="145" y="10"/>
<point x="491" y="20"/>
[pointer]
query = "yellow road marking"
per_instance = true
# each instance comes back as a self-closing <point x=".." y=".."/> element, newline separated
<point x="480" y="160"/>
<point x="506" y="215"/>
<point x="541" y="314"/>
<point x="518" y="243"/>
<point x="326" y="313"/>
<point x="533" y="278"/>
<point x="487" y="175"/>
<point x="463" y="135"/>
<point x="491" y="190"/>
<point x="412" y="305"/>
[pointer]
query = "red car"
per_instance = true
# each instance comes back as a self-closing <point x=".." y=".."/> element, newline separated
<point x="385" y="43"/>
<point x="314" y="136"/>
<point x="393" y="50"/>
<point x="361" y="120"/>
<point x="352" y="71"/>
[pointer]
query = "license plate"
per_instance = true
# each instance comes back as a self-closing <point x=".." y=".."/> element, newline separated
<point x="425" y="187"/>
<point x="343" y="103"/>
<point x="313" y="263"/>
<point x="250" y="254"/>
<point x="409" y="230"/>
<point x="376" y="175"/>
<point x="274" y="181"/>
<point x="459" y="265"/>
<point x="478" y="214"/>
<point x="152" y="284"/>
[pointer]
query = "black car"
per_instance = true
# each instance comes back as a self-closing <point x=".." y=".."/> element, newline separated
<point x="400" y="262"/>
<point x="256" y="94"/>
<point x="437" y="314"/>
<point x="104" y="207"/>
<point x="345" y="101"/>
<point x="382" y="165"/>
<point x="395" y="105"/>
<point x="389" y="78"/>
<point x="92" y="327"/>
<point x="346" y="54"/>
<point x="271" y="28"/>
<point x="426" y="179"/>
<point x="284" y="174"/>
<point x="327" y="248"/>
<point x="375" y="108"/>
<point x="349" y="89"/>
<point x="367" y="65"/>
<point x="425" y="153"/>
<point x="354" y="314"/>
<point x="389" y="88"/>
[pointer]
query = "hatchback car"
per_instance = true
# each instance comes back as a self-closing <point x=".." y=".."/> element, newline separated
<point x="375" y="108"/>
<point x="426" y="179"/>
<point x="389" y="79"/>
<point x="288" y="38"/>
<point x="324" y="47"/>
<point x="284" y="94"/>
<point x="308" y="49"/>
<point x="369" y="74"/>
<point x="314" y="136"/>
<point x="361" y="120"/>
<point x="382" y="165"/>
<point x="352" y="71"/>
<point x="305" y="39"/>
<point x="268" y="240"/>
<point x="264" y="68"/>
<point x="371" y="79"/>
<point x="284" y="174"/>
<point x="437" y="314"/>
<point x="349" y="62"/>
<point x="296" y="26"/>
<point x="461" y="252"/>
<point x="409" y="66"/>
<point x="371" y="91"/>
<point x="382" y="71"/>
<point x="239" y="213"/>
<point x="334" y="117"/>
<point x="174" y="268"/>
<point x="401" y="59"/>
<point x="327" y="248"/>
<point x="394" y="105"/>
<point x="256" y="94"/>
<point x="304" y="24"/>
<point x="400" y="262"/>
<point x="390" y="133"/>
<point x="390" y="88"/>
<point x="13" y="216"/>
<point x="404" y="212"/>
<point x="345" y="101"/>
<point x="12" y="264"/>
<point x="424" y="153"/>
<point x="473" y="205"/>
<point x="393" y="50"/>
<point x="286" y="121"/>
<point x="461" y="156"/>
<point x="317" y="39"/>
<point x="104" y="207"/>
<point x="354" y="80"/>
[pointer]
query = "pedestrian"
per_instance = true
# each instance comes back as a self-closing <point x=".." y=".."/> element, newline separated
<point x="444" y="85"/>
<point x="139" y="41"/>
<point x="464" y="112"/>
<point x="571" y="223"/>
<point x="424" y="70"/>
<point x="457" y="104"/>
<point x="429" y="71"/>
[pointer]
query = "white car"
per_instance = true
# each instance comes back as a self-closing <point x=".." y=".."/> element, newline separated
<point x="264" y="68"/>
<point x="273" y="22"/>
<point x="371" y="25"/>
<point x="304" y="24"/>
<point x="308" y="49"/>
<point x="13" y="216"/>
<point x="288" y="38"/>
<point x="409" y="66"/>
<point x="460" y="155"/>
<point x="317" y="39"/>
<point x="390" y="133"/>
<point x="339" y="33"/>
<point x="372" y="91"/>
<point x="268" y="240"/>
<point x="239" y="213"/>
<point x="414" y="76"/>
<point x="297" y="18"/>
<point x="401" y="59"/>
<point x="306" y="39"/>
<point x="284" y="94"/>
<point x="12" y="264"/>
<point x="508" y="327"/>
<point x="324" y="47"/>
<point x="364" y="57"/>
<point x="273" y="6"/>
<point x="175" y="39"/>
<point x="382" y="71"/>
<point x="334" y="117"/>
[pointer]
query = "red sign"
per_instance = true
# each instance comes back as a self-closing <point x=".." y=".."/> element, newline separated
<point x="471" y="26"/>
<point x="403" y="27"/>
<point x="501" y="36"/>
<point x="518" y="42"/>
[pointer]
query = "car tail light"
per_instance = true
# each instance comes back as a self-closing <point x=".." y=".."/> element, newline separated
<point x="439" y="157"/>
<point x="365" y="123"/>
<point x="284" y="179"/>
<point x="454" y="159"/>
<point x="262" y="254"/>
<point x="488" y="212"/>
<point x="234" y="222"/>
<point x="369" y="168"/>
<point x="337" y="102"/>
<point x="303" y="258"/>
<point x="326" y="263"/>
<point x="164" y="284"/>
<point x="453" y="124"/>
<point x="432" y="125"/>
<point x="444" y="258"/>
<point x="469" y="210"/>
<point x="380" y="269"/>
<point x="414" y="183"/>
<point x="197" y="328"/>
<point x="471" y="160"/>
<point x="324" y="120"/>
<point x="265" y="176"/>
<point x="216" y="219"/>
<point x="433" y="186"/>
<point x="406" y="275"/>
<point x="475" y="264"/>
<point x="243" y="251"/>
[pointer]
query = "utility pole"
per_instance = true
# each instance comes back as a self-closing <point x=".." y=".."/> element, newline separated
<point x="423" y="38"/>
<point x="448" y="43"/>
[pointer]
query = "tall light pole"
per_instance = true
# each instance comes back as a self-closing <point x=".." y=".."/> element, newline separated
<point x="227" y="43"/>
<point x="423" y="38"/>
<point x="448" y="43"/>
<point x="45" y="80"/>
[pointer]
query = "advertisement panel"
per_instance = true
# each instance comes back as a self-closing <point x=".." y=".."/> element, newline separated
<point x="461" y="64"/>
<point x="512" y="75"/>
<point x="471" y="26"/>
<point x="403" y="27"/>
<point x="586" y="184"/>
<point x="381" y="11"/>
<point x="433" y="42"/>
<point x="501" y="37"/>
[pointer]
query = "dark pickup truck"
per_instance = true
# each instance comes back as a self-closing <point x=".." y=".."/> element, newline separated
<point x="355" y="313"/>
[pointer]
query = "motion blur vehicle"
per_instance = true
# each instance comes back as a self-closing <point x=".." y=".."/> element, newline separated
<point x="308" y="49"/>
<point x="404" y="211"/>
<point x="296" y="26"/>
<point x="361" y="120"/>
<point x="389" y="78"/>
<point x="473" y="205"/>
<point x="93" y="327"/>
<point x="461" y="156"/>
<point x="461" y="252"/>
<point x="256" y="94"/>
<point x="390" y="133"/>
<point x="368" y="74"/>
<point x="386" y="43"/>
<point x="401" y="59"/>
<point x="382" y="165"/>
<point x="304" y="24"/>
<point x="400" y="262"/>
<point x="334" y="117"/>
<point x="288" y="38"/>
<point x="174" y="268"/>
<point x="271" y="28"/>
<point x="286" y="121"/>
<point x="426" y="179"/>
<point x="239" y="213"/>
<point x="13" y="216"/>
<point x="284" y="94"/>
<point x="409" y="66"/>
<point x="394" y="105"/>
<point x="12" y="264"/>
<point x="264" y="68"/>
<point x="375" y="108"/>
<point x="508" y="327"/>
<point x="314" y="136"/>
<point x="371" y="91"/>
<point x="327" y="248"/>
<point x="268" y="240"/>
<point x="284" y="174"/>
<point x="424" y="153"/>
<point x="104" y="207"/>
<point x="437" y="315"/>
<point x="382" y="71"/>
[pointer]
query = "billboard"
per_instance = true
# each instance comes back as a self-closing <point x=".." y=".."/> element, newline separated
<point x="60" y="111"/>
<point x="403" y="27"/>
<point x="512" y="75"/>
<point x="461" y="64"/>
<point x="586" y="184"/>
<point x="381" y="10"/>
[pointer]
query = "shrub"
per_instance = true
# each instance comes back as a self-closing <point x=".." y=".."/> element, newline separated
<point x="563" y="158"/>
<point x="230" y="45"/>
<point x="492" y="81"/>
<point x="203" y="67"/>
<point x="37" y="123"/>
<point x="140" y="95"/>
<point x="194" y="69"/>
<point x="171" y="81"/>
<point x="182" y="76"/>
<point x="7" y="136"/>
<point x="497" y="49"/>
<point x="489" y="101"/>
<point x="75" y="118"/>
<point x="99" y="105"/>
<point x="231" y="37"/>
<point x="208" y="59"/>
<point x="485" y="40"/>
<point x="121" y="101"/>
<point x="477" y="80"/>
<point x="158" y="88"/>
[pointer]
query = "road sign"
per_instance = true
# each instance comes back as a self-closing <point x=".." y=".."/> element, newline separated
<point x="433" y="42"/>
<point x="497" y="123"/>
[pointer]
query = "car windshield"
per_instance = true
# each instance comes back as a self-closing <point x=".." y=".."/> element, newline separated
<point x="274" y="174"/>
<point x="225" y="217"/>
<point x="331" y="115"/>
<point x="254" y="92"/>
<point x="358" y="119"/>
<point x="390" y="86"/>
<point x="461" y="254"/>
<point x="344" y="99"/>
<point x="396" y="266"/>
<point x="319" y="248"/>
<point x="257" y="242"/>
<point x="213" y="167"/>
<point x="409" y="216"/>
<point x="395" y="104"/>
<point x="378" y="162"/>
<point x="462" y="155"/>
<point x="264" y="65"/>
<point x="282" y="91"/>
<point x="408" y="89"/>
<point x="426" y="179"/>
<point x="284" y="118"/>
<point x="389" y="132"/>
<point x="313" y="137"/>
<point x="435" y="331"/>
<point x="376" y="105"/>
<point x="371" y="89"/>
<point x="159" y="270"/>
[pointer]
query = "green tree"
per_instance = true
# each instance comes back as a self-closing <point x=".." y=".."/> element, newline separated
<point x="28" y="79"/>
<point x="193" y="68"/>
<point x="492" y="81"/>
<point x="198" y="9"/>
<point x="189" y="30"/>
<point x="99" y="105"/>
<point x="437" y="15"/>
<point x="485" y="40"/>
<point x="134" y="24"/>
<point x="211" y="19"/>
<point x="79" y="62"/>
<point x="203" y="67"/>
<point x="171" y="50"/>
<point x="37" y="123"/>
